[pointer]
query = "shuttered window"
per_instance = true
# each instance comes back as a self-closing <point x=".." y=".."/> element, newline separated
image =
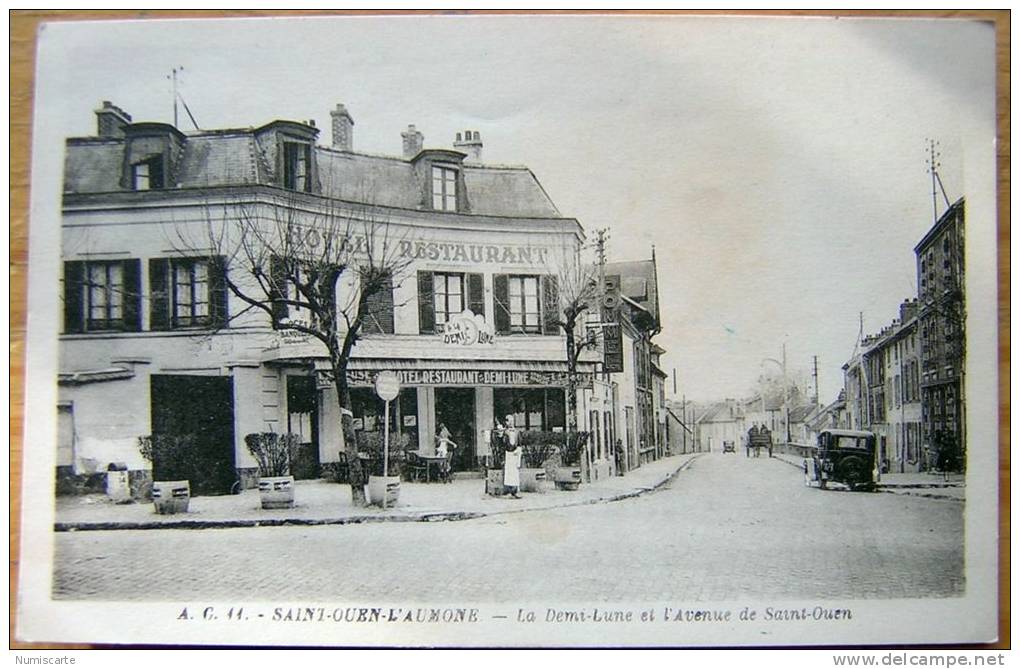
<point x="443" y="295"/>
<point x="379" y="310"/>
<point x="101" y="295"/>
<point x="526" y="304"/>
<point x="187" y="293"/>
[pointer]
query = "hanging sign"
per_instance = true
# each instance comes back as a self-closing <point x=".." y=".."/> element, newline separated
<point x="612" y="339"/>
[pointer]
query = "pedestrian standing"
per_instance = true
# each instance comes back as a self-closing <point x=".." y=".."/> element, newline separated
<point x="512" y="460"/>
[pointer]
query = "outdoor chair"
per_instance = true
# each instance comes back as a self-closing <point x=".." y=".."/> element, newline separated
<point x="415" y="469"/>
<point x="343" y="468"/>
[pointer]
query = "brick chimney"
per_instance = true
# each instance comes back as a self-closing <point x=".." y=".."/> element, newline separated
<point x="111" y="119"/>
<point x="413" y="141"/>
<point x="343" y="128"/>
<point x="471" y="144"/>
<point x="908" y="309"/>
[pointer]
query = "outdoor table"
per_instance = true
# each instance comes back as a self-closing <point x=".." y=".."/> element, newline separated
<point x="429" y="460"/>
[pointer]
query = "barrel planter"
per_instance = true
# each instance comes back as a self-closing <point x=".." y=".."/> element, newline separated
<point x="494" y="483"/>
<point x="171" y="497"/>
<point x="567" y="478"/>
<point x="276" y="492"/>
<point x="532" y="480"/>
<point x="383" y="490"/>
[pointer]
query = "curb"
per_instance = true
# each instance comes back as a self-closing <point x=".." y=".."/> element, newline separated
<point x="442" y="516"/>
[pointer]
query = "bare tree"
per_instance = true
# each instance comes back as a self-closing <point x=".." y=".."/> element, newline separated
<point x="577" y="282"/>
<point x="315" y="268"/>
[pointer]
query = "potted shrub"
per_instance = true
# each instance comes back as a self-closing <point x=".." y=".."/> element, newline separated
<point x="273" y="453"/>
<point x="383" y="490"/>
<point x="169" y="455"/>
<point x="537" y="447"/>
<point x="568" y="475"/>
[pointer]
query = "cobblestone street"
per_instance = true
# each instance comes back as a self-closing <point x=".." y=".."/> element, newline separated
<point x="728" y="527"/>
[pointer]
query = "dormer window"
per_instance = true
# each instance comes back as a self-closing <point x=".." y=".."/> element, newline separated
<point x="297" y="157"/>
<point x="147" y="174"/>
<point x="444" y="188"/>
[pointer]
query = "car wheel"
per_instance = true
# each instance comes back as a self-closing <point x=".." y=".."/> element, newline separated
<point x="853" y="471"/>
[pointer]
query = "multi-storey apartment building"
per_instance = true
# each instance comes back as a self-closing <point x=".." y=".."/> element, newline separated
<point x="941" y="321"/>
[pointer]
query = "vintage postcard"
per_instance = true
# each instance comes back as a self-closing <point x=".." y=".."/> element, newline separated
<point x="526" y="330"/>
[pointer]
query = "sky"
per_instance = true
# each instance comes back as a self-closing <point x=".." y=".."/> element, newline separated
<point x="777" y="166"/>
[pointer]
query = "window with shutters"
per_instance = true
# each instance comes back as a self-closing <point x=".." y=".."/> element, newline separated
<point x="525" y="312"/>
<point x="444" y="188"/>
<point x="448" y="296"/>
<point x="104" y="295"/>
<point x="101" y="295"/>
<point x="526" y="304"/>
<point x="190" y="293"/>
<point x="379" y="310"/>
<point x="187" y="293"/>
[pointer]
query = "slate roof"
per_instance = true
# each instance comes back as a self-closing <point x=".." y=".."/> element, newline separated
<point x="802" y="413"/>
<point x="720" y="412"/>
<point x="230" y="158"/>
<point x="638" y="282"/>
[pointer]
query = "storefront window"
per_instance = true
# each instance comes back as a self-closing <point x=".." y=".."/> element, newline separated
<point x="531" y="408"/>
<point x="370" y="411"/>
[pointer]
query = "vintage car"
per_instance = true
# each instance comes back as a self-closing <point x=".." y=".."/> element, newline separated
<point x="842" y="456"/>
<point x="729" y="447"/>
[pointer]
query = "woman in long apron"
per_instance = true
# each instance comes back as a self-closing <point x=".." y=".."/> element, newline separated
<point x="512" y="462"/>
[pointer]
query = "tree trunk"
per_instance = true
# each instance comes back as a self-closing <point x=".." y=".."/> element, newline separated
<point x="571" y="379"/>
<point x="357" y="475"/>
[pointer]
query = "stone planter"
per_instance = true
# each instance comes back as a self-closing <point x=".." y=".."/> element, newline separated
<point x="171" y="497"/>
<point x="277" y="492"/>
<point x="118" y="487"/>
<point x="568" y="478"/>
<point x="383" y="490"/>
<point x="532" y="480"/>
<point x="494" y="483"/>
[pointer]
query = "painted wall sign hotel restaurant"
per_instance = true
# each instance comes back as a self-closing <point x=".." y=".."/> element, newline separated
<point x="469" y="377"/>
<point x="505" y="254"/>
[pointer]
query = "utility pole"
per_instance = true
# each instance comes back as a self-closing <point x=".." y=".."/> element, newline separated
<point x="683" y="412"/>
<point x="786" y="395"/>
<point x="815" y="374"/>
<point x="173" y="78"/>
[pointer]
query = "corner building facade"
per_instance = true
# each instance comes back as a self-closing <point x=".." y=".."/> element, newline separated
<point x="153" y="342"/>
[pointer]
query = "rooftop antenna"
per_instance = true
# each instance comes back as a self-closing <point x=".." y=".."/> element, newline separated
<point x="177" y="96"/>
<point x="934" y="163"/>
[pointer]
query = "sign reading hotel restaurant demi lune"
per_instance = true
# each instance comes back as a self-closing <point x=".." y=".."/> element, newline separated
<point x="471" y="377"/>
<point x="467" y="329"/>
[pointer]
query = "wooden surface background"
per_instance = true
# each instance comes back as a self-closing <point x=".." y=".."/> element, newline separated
<point x="22" y="63"/>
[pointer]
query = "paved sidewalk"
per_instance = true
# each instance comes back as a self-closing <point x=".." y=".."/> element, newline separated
<point x="920" y="484"/>
<point x="324" y="503"/>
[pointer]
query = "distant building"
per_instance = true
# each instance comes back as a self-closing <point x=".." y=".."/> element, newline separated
<point x="941" y="319"/>
<point x="893" y="400"/>
<point x="720" y="422"/>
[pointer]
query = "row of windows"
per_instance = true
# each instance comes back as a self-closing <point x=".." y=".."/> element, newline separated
<point x="106" y="295"/>
<point x="190" y="293"/>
